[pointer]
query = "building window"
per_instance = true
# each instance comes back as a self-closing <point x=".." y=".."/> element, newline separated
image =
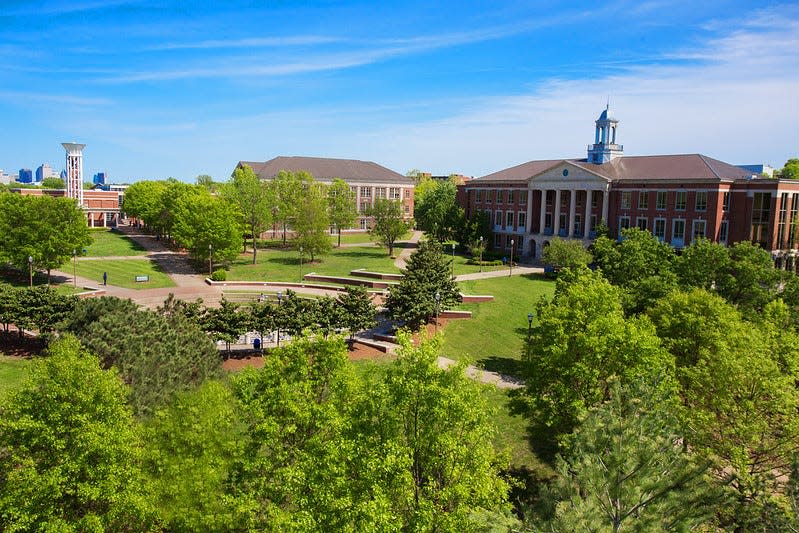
<point x="624" y="223"/>
<point x="407" y="194"/>
<point x="523" y="197"/>
<point x="510" y="197"/>
<point x="701" y="200"/>
<point x="643" y="200"/>
<point x="498" y="218"/>
<point x="794" y="225"/>
<point x="678" y="232"/>
<point x="564" y="199"/>
<point x="366" y="192"/>
<point x="548" y="221"/>
<point x="548" y="198"/>
<point x="783" y="217"/>
<point x="680" y="200"/>
<point x="395" y="193"/>
<point x="659" y="229"/>
<point x="489" y="196"/>
<point x="699" y="230"/>
<point x="726" y="201"/>
<point x="407" y="209"/>
<point x="626" y="200"/>
<point x="380" y="192"/>
<point x="641" y="223"/>
<point x="761" y="212"/>
<point x="497" y="240"/>
<point x="509" y="219"/>
<point x="723" y="231"/>
<point x="363" y="223"/>
<point x="479" y="195"/>
<point x="364" y="206"/>
<point x="660" y="201"/>
<point x="595" y="199"/>
<point x="522" y="216"/>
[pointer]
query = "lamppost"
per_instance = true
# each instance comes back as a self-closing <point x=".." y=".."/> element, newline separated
<point x="279" y="304"/>
<point x="438" y="302"/>
<point x="300" y="264"/>
<point x="30" y="270"/>
<point x="511" y="258"/>
<point x="75" y="268"/>
<point x="210" y="260"/>
<point x="453" y="253"/>
<point x="481" y="253"/>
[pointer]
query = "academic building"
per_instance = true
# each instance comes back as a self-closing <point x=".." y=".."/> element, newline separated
<point x="369" y="181"/>
<point x="679" y="198"/>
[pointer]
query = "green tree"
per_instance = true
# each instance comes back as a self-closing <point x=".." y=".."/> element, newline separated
<point x="751" y="280"/>
<point x="423" y="446"/>
<point x="190" y="448"/>
<point x="428" y="272"/>
<point x="389" y="224"/>
<point x="791" y="169"/>
<point x="44" y="228"/>
<point x="627" y="471"/>
<point x="702" y="264"/>
<point x="69" y="450"/>
<point x="155" y="355"/>
<point x="358" y="310"/>
<point x="286" y="193"/>
<point x="472" y="230"/>
<point x="341" y="205"/>
<point x="563" y="253"/>
<point x="582" y="343"/>
<point x="53" y="183"/>
<point x="311" y="221"/>
<point x="437" y="212"/>
<point x="206" y="182"/>
<point x="200" y="220"/>
<point x="226" y="322"/>
<point x="143" y="200"/>
<point x="251" y="196"/>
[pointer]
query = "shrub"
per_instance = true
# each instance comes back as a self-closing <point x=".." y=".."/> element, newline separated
<point x="219" y="275"/>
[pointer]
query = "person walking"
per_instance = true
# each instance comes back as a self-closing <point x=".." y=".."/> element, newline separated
<point x="105" y="278"/>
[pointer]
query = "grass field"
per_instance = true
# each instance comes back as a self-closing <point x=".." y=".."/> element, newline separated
<point x="123" y="272"/>
<point x="109" y="243"/>
<point x="284" y="264"/>
<point x="494" y="336"/>
<point x="12" y="371"/>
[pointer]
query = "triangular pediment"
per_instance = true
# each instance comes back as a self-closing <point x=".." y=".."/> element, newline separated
<point x="568" y="175"/>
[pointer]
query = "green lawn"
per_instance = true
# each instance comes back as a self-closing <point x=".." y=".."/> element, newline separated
<point x="109" y="243"/>
<point x="123" y="272"/>
<point x="12" y="371"/>
<point x="494" y="336"/>
<point x="284" y="264"/>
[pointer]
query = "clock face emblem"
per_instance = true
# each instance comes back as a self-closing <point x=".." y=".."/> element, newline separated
<point x="565" y="171"/>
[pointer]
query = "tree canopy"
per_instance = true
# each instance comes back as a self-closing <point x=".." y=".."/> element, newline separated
<point x="389" y="224"/>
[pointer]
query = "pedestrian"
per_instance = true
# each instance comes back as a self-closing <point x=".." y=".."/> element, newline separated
<point x="105" y="278"/>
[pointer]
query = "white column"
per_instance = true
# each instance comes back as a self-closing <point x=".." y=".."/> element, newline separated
<point x="605" y="202"/>
<point x="543" y="214"/>
<point x="572" y="207"/>
<point x="587" y="225"/>
<point x="556" y="213"/>
<point x="528" y="217"/>
<point x="105" y="222"/>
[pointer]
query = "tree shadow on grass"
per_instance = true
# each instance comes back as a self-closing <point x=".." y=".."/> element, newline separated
<point x="503" y="365"/>
<point x="541" y="438"/>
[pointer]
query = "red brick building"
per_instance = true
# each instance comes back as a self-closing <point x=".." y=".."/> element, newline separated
<point x="679" y="198"/>
<point x="101" y="207"/>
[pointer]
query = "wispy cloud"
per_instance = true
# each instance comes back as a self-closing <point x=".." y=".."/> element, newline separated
<point x="57" y="7"/>
<point x="252" y="42"/>
<point x="20" y="97"/>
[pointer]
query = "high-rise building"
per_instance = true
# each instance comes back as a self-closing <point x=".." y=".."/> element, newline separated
<point x="25" y="175"/>
<point x="100" y="178"/>
<point x="44" y="171"/>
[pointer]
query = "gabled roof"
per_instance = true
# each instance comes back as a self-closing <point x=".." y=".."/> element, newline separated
<point x="325" y="169"/>
<point x="649" y="167"/>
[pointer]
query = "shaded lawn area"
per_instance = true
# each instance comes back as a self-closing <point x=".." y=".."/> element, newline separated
<point x="495" y="335"/>
<point x="61" y="284"/>
<point x="12" y="371"/>
<point x="109" y="243"/>
<point x="123" y="272"/>
<point x="283" y="264"/>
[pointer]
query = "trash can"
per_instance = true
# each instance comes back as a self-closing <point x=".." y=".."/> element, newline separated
<point x="256" y="343"/>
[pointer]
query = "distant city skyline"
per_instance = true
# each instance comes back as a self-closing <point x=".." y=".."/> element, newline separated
<point x="159" y="89"/>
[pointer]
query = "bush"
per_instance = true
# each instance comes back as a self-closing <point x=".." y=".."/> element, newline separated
<point x="497" y="262"/>
<point x="219" y="275"/>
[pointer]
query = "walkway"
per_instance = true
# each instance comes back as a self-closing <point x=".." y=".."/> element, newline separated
<point x="517" y="271"/>
<point x="411" y="244"/>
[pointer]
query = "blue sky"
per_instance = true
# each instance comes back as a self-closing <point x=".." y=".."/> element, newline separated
<point x="159" y="89"/>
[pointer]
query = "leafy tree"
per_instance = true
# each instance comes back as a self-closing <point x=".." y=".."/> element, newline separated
<point x="626" y="469"/>
<point x="358" y="310"/>
<point x="174" y="308"/>
<point x="423" y="446"/>
<point x="44" y="228"/>
<point x="44" y="308"/>
<point x="155" y="355"/>
<point x="751" y="281"/>
<point x="437" y="212"/>
<point x="328" y="315"/>
<point x="263" y="318"/>
<point x="69" y="451"/>
<point x="225" y="323"/>
<point x="293" y="474"/>
<point x="702" y="264"/>
<point x="429" y="272"/>
<point x="143" y="200"/>
<point x="791" y="169"/>
<point x="251" y="196"/>
<point x="389" y="224"/>
<point x="286" y="192"/>
<point x="53" y="183"/>
<point x="206" y="182"/>
<point x="472" y="229"/>
<point x="190" y="448"/>
<point x="311" y="221"/>
<point x="10" y="308"/>
<point x="201" y="220"/>
<point x="563" y="253"/>
<point x="295" y="314"/>
<point x="582" y="343"/>
<point x="341" y="205"/>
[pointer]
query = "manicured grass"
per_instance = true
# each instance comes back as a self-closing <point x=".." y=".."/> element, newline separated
<point x="123" y="272"/>
<point x="284" y="264"/>
<point x="494" y="337"/>
<point x="109" y="243"/>
<point x="63" y="286"/>
<point x="12" y="372"/>
<point x="461" y="266"/>
<point x="365" y="237"/>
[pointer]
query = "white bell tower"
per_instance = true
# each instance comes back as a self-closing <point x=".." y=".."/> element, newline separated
<point x="74" y="181"/>
<point x="605" y="147"/>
